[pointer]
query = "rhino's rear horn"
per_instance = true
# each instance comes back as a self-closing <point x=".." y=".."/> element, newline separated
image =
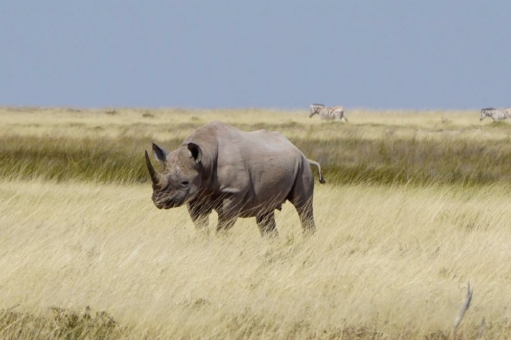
<point x="155" y="177"/>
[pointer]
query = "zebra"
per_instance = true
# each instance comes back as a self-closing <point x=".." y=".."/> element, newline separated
<point x="495" y="114"/>
<point x="327" y="113"/>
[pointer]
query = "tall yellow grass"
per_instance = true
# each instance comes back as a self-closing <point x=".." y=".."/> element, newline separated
<point x="390" y="260"/>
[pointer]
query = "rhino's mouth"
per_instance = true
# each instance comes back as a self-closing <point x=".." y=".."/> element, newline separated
<point x="172" y="203"/>
<point x="168" y="204"/>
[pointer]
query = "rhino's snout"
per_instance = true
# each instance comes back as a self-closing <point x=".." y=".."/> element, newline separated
<point x="160" y="205"/>
<point x="167" y="204"/>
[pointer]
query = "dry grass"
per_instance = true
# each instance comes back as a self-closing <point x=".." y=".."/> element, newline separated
<point x="388" y="261"/>
<point x="394" y="261"/>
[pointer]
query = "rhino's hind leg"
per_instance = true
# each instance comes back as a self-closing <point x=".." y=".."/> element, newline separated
<point x="266" y="224"/>
<point x="306" y="214"/>
<point x="301" y="197"/>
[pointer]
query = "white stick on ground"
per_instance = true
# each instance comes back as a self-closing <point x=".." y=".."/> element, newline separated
<point x="463" y="309"/>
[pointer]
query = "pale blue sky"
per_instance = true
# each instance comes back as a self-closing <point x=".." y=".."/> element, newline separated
<point x="278" y="54"/>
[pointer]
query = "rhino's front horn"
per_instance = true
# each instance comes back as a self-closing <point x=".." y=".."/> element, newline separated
<point x="155" y="177"/>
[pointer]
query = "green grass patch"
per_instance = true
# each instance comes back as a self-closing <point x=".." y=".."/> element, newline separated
<point x="345" y="160"/>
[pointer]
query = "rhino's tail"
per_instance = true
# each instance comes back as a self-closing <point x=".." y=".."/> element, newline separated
<point x="321" y="179"/>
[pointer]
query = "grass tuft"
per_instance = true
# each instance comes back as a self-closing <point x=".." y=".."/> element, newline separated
<point x="58" y="323"/>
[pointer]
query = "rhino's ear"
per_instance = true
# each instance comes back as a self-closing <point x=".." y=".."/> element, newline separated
<point x="196" y="152"/>
<point x="159" y="153"/>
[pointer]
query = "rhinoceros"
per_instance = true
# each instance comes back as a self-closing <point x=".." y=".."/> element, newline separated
<point x="236" y="173"/>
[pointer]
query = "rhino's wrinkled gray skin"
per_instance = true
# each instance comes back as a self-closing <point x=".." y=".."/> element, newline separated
<point x="236" y="173"/>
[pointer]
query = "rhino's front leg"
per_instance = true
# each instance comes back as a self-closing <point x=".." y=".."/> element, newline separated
<point x="200" y="216"/>
<point x="228" y="212"/>
<point x="266" y="224"/>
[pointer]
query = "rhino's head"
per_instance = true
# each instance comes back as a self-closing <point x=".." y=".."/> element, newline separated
<point x="180" y="180"/>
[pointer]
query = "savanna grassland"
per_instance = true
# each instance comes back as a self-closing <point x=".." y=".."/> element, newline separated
<point x="416" y="205"/>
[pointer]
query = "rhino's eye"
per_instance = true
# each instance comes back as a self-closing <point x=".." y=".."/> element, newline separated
<point x="185" y="184"/>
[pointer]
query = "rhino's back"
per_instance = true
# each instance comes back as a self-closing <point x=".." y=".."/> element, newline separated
<point x="230" y="141"/>
<point x="267" y="148"/>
